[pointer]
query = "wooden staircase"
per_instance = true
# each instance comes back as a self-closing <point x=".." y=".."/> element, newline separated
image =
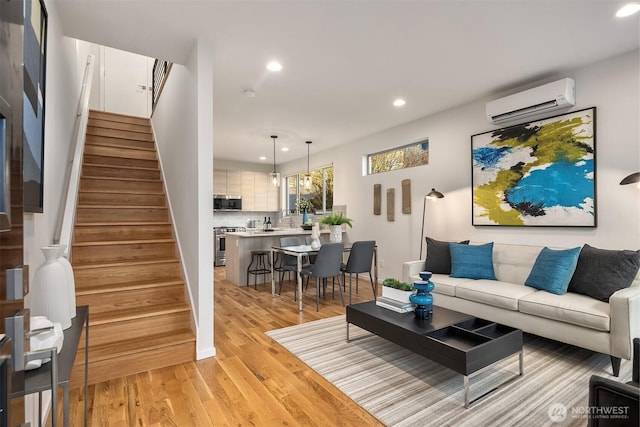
<point x="124" y="256"/>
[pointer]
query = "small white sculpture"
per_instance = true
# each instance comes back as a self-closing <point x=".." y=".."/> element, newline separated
<point x="315" y="236"/>
<point x="47" y="339"/>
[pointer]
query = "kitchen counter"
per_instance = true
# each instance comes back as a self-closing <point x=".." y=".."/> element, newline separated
<point x="257" y="232"/>
<point x="239" y="245"/>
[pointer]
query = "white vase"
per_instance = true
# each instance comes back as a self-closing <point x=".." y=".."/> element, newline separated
<point x="71" y="282"/>
<point x="335" y="233"/>
<point x="49" y="293"/>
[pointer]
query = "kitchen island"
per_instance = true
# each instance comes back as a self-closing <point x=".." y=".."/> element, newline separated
<point x="240" y="244"/>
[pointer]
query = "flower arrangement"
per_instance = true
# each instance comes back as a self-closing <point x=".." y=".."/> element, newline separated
<point x="304" y="205"/>
<point x="396" y="284"/>
<point x="336" y="218"/>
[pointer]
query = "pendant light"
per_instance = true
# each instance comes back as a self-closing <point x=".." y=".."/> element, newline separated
<point x="307" y="177"/>
<point x="274" y="176"/>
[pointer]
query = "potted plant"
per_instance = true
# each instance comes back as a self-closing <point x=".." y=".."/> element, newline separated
<point x="335" y="221"/>
<point x="397" y="290"/>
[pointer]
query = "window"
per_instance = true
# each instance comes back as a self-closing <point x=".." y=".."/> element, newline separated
<point x="407" y="156"/>
<point x="320" y="194"/>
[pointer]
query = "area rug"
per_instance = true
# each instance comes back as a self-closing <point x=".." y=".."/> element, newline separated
<point x="401" y="388"/>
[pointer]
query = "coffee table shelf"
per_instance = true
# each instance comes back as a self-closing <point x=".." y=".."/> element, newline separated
<point x="456" y="340"/>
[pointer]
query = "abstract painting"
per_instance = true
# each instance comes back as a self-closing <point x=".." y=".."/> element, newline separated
<point x="540" y="173"/>
<point x="35" y="54"/>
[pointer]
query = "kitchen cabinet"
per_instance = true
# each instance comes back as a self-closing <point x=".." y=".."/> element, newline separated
<point x="219" y="181"/>
<point x="261" y="189"/>
<point x="248" y="191"/>
<point x="234" y="183"/>
<point x="227" y="182"/>
<point x="254" y="187"/>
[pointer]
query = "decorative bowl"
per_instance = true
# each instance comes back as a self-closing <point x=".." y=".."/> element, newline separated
<point x="425" y="275"/>
<point x="307" y="227"/>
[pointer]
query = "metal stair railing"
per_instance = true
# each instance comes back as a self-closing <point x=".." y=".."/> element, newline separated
<point x="67" y="212"/>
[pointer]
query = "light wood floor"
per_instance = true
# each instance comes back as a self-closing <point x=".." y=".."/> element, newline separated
<point x="251" y="381"/>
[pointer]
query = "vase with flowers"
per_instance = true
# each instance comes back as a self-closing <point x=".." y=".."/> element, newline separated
<point x="304" y="205"/>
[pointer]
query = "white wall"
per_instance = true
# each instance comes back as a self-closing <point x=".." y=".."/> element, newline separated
<point x="63" y="86"/>
<point x="183" y="129"/>
<point x="613" y="86"/>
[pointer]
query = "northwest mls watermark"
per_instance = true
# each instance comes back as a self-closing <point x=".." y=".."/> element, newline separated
<point x="559" y="412"/>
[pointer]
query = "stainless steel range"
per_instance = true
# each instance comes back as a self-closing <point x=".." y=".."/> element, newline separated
<point x="219" y="244"/>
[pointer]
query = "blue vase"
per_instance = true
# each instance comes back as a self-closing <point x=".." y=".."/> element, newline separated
<point x="423" y="299"/>
<point x="304" y="217"/>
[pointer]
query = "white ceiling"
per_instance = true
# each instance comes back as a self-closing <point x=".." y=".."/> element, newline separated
<point x="346" y="61"/>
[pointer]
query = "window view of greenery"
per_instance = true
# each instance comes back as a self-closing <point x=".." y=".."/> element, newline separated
<point x="320" y="193"/>
<point x="407" y="156"/>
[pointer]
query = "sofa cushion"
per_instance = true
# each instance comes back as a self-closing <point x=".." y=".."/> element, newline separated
<point x="553" y="269"/>
<point x="601" y="272"/>
<point x="572" y="308"/>
<point x="443" y="284"/>
<point x="493" y="292"/>
<point x="438" y="256"/>
<point x="472" y="261"/>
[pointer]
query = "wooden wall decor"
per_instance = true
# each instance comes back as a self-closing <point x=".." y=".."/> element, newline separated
<point x="377" y="199"/>
<point x="406" y="196"/>
<point x="391" y="202"/>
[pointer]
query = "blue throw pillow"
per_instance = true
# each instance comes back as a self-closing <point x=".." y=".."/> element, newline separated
<point x="472" y="261"/>
<point x="553" y="270"/>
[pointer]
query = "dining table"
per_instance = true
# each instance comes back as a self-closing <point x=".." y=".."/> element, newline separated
<point x="302" y="251"/>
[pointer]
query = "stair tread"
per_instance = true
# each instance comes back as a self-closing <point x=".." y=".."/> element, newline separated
<point x="128" y="286"/>
<point x="138" y="345"/>
<point x="109" y="178"/>
<point x="106" y="317"/>
<point x="123" y="207"/>
<point x="120" y="146"/>
<point x="106" y="165"/>
<point x="85" y="266"/>
<point x="119" y="224"/>
<point x="122" y="242"/>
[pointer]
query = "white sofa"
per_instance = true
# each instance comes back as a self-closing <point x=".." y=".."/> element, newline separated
<point x="571" y="318"/>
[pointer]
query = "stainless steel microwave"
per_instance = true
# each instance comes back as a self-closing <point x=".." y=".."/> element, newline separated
<point x="223" y="202"/>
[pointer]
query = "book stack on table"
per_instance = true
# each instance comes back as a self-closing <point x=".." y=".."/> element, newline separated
<point x="395" y="305"/>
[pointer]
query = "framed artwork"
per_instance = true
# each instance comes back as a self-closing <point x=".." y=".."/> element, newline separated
<point x="35" y="59"/>
<point x="540" y="173"/>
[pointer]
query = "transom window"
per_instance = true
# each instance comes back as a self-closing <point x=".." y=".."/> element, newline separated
<point x="407" y="156"/>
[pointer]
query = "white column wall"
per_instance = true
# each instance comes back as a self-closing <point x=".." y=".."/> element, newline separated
<point x="183" y="129"/>
<point x="613" y="86"/>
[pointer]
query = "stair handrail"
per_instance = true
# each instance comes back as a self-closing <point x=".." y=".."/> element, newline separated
<point x="67" y="210"/>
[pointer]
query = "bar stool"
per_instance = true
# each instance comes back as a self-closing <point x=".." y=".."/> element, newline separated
<point x="261" y="258"/>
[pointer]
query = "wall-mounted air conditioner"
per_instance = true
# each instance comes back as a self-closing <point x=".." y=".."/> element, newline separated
<point x="541" y="101"/>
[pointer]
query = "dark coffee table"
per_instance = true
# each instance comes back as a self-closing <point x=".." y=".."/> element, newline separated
<point x="456" y="340"/>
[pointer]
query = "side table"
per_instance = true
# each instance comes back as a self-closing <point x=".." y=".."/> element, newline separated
<point x="39" y="380"/>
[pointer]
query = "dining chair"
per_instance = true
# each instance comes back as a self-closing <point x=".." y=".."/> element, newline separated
<point x="328" y="262"/>
<point x="360" y="261"/>
<point x="289" y="264"/>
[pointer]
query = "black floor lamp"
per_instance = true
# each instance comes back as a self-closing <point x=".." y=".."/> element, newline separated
<point x="634" y="178"/>
<point x="433" y="195"/>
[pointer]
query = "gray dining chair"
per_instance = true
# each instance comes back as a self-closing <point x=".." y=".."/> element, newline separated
<point x="328" y="262"/>
<point x="289" y="264"/>
<point x="360" y="261"/>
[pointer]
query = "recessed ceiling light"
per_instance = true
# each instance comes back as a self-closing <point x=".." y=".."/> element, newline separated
<point x="274" y="66"/>
<point x="263" y="158"/>
<point x="399" y="102"/>
<point x="628" y="10"/>
<point x="285" y="148"/>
